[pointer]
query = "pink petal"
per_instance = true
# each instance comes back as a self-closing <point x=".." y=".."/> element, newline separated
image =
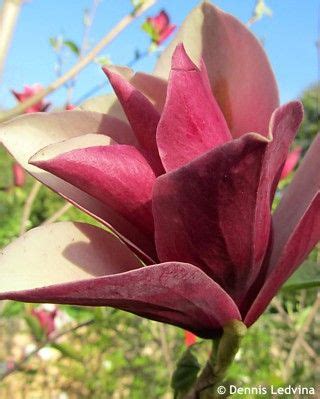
<point x="19" y="175"/>
<point x="215" y="211"/>
<point x="241" y="78"/>
<point x="160" y="21"/>
<point x="140" y="112"/>
<point x="28" y="92"/>
<point x="291" y="162"/>
<point x="296" y="224"/>
<point x="40" y="130"/>
<point x="166" y="33"/>
<point x="117" y="175"/>
<point x="77" y="265"/>
<point x="191" y="122"/>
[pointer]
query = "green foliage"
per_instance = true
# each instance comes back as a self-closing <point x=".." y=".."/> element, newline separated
<point x="72" y="46"/>
<point x="67" y="351"/>
<point x="311" y="123"/>
<point x="307" y="276"/>
<point x="11" y="309"/>
<point x="34" y="326"/>
<point x="185" y="373"/>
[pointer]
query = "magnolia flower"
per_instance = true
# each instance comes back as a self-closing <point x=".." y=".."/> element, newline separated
<point x="50" y="318"/>
<point x="46" y="318"/>
<point x="185" y="182"/>
<point x="19" y="176"/>
<point x="291" y="162"/>
<point x="18" y="172"/>
<point x="69" y="107"/>
<point x="159" y="27"/>
<point x="28" y="92"/>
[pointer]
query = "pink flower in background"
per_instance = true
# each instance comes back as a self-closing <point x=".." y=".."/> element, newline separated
<point x="189" y="338"/>
<point x="28" y="92"/>
<point x="184" y="176"/>
<point x="70" y="107"/>
<point x="159" y="27"/>
<point x="51" y="318"/>
<point x="291" y="162"/>
<point x="19" y="175"/>
<point x="46" y="318"/>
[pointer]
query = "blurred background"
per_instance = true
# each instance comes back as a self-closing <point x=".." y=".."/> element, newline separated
<point x="70" y="352"/>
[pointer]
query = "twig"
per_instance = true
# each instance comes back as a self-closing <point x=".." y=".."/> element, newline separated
<point x="300" y="336"/>
<point x="87" y="27"/>
<point x="8" y="18"/>
<point x="84" y="46"/>
<point x="53" y="339"/>
<point x="82" y="63"/>
<point x="28" y="206"/>
<point x="289" y="320"/>
<point x="60" y="212"/>
<point x="165" y="348"/>
<point x="101" y="85"/>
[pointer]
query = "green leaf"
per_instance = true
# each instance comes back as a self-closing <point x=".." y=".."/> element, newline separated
<point x="80" y="314"/>
<point x="12" y="309"/>
<point x="137" y="4"/>
<point x="35" y="327"/>
<point x="150" y="31"/>
<point x="262" y="9"/>
<point x="103" y="60"/>
<point x="56" y="42"/>
<point x="67" y="351"/>
<point x="72" y="46"/>
<point x="185" y="374"/>
<point x="307" y="276"/>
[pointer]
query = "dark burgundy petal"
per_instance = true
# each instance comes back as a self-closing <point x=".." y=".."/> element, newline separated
<point x="296" y="225"/>
<point x="192" y="122"/>
<point x="77" y="265"/>
<point x="215" y="211"/>
<point x="204" y="212"/>
<point x="117" y="175"/>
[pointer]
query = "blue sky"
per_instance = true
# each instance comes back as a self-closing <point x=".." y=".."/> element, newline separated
<point x="289" y="37"/>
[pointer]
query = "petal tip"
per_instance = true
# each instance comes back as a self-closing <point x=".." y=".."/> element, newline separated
<point x="181" y="60"/>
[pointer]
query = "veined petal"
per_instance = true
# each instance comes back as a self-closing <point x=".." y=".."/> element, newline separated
<point x="78" y="265"/>
<point x="118" y="176"/>
<point x="192" y="122"/>
<point x="217" y="207"/>
<point x="296" y="225"/>
<point x="27" y="134"/>
<point x="241" y="78"/>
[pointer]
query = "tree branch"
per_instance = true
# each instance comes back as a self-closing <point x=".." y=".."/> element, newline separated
<point x="53" y="339"/>
<point x="8" y="18"/>
<point x="82" y="63"/>
<point x="27" y="209"/>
